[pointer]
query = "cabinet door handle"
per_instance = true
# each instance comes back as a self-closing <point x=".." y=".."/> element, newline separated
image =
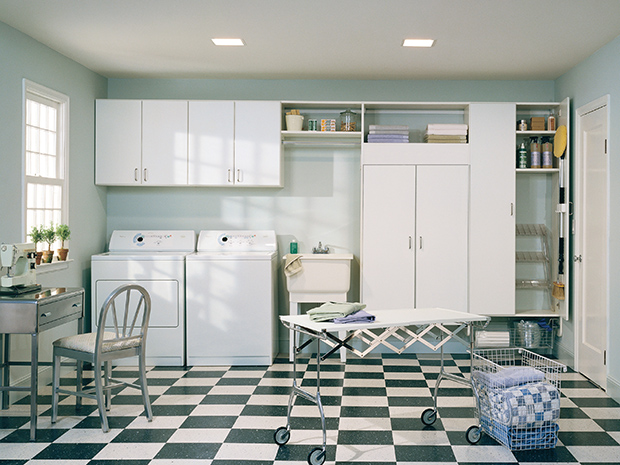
<point x="512" y="209"/>
<point x="238" y="175"/>
<point x="420" y="242"/>
<point x="410" y="242"/>
<point x="46" y="314"/>
<point x="229" y="173"/>
<point x="145" y="179"/>
<point x="135" y="175"/>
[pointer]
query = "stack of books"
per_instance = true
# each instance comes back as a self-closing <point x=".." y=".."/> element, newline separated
<point x="384" y="133"/>
<point x="446" y="133"/>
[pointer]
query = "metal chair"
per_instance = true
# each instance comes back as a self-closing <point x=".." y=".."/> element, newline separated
<point x="121" y="333"/>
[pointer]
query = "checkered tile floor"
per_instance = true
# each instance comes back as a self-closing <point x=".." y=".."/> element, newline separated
<point x="226" y="416"/>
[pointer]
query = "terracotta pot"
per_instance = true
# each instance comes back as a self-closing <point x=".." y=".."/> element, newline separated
<point x="38" y="258"/>
<point x="62" y="254"/>
<point x="47" y="256"/>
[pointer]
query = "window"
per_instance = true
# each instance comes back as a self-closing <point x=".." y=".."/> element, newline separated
<point x="46" y="131"/>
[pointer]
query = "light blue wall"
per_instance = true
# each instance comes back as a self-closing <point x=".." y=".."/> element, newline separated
<point x="595" y="77"/>
<point x="22" y="57"/>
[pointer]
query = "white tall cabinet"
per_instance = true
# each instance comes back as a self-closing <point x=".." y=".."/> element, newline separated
<point x="493" y="204"/>
<point x="414" y="236"/>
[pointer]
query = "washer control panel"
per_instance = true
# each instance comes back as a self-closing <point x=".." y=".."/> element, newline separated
<point x="237" y="241"/>
<point x="153" y="241"/>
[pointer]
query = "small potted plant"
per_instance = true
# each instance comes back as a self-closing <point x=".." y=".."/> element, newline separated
<point x="37" y="236"/>
<point x="49" y="236"/>
<point x="63" y="233"/>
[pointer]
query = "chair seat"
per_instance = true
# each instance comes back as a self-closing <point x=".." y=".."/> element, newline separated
<point x="86" y="342"/>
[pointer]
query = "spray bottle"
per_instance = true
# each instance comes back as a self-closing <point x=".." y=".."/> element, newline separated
<point x="534" y="153"/>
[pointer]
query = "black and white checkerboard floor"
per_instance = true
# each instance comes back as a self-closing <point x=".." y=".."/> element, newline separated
<point x="228" y="415"/>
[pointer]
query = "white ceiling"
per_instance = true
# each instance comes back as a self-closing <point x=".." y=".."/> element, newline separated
<point x="320" y="39"/>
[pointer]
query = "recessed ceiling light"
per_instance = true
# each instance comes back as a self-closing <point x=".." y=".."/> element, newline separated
<point x="228" y="42"/>
<point x="418" y="42"/>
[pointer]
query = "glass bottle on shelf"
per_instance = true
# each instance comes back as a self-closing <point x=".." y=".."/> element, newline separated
<point x="348" y="120"/>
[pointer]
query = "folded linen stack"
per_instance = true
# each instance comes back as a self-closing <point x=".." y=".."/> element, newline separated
<point x="382" y="133"/>
<point x="488" y="339"/>
<point x="331" y="310"/>
<point x="446" y="133"/>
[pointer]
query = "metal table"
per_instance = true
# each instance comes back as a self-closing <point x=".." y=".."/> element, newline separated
<point x="394" y="329"/>
<point x="33" y="313"/>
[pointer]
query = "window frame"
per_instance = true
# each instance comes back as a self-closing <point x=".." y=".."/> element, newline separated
<point x="34" y="91"/>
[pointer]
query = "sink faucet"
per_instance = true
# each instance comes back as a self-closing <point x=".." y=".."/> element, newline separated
<point x="320" y="249"/>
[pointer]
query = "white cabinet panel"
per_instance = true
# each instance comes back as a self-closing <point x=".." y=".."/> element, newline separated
<point x="387" y="236"/>
<point x="441" y="237"/>
<point x="492" y="241"/>
<point x="118" y="146"/>
<point x="211" y="142"/>
<point x="164" y="142"/>
<point x="257" y="143"/>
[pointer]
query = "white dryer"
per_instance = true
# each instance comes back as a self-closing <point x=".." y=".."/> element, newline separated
<point x="232" y="298"/>
<point x="156" y="261"/>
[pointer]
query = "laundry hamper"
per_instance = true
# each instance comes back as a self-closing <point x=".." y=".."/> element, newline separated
<point x="517" y="396"/>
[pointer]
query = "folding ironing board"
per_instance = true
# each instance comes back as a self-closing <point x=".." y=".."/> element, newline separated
<point x="394" y="329"/>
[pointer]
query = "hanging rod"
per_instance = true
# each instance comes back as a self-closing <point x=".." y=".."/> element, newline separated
<point x="310" y="143"/>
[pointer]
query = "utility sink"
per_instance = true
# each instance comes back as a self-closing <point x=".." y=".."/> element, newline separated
<point x="324" y="277"/>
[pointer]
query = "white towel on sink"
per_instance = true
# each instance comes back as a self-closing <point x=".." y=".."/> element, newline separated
<point x="292" y="264"/>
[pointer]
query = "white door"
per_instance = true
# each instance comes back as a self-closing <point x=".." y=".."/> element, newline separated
<point x="591" y="241"/>
<point x="164" y="142"/>
<point x="258" y="143"/>
<point x="387" y="236"/>
<point x="441" y="237"/>
<point x="118" y="142"/>
<point x="211" y="143"/>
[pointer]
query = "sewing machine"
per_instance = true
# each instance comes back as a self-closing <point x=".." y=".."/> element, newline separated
<point x="20" y="261"/>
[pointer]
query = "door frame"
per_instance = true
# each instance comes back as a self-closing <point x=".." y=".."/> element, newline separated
<point x="577" y="224"/>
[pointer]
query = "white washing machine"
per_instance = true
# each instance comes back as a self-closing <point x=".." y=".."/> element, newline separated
<point x="156" y="261"/>
<point x="232" y="298"/>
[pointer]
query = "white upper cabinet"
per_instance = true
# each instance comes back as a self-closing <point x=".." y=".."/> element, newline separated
<point x="258" y="154"/>
<point x="234" y="143"/>
<point x="211" y="142"/>
<point x="164" y="142"/>
<point x="118" y="143"/>
<point x="200" y="143"/>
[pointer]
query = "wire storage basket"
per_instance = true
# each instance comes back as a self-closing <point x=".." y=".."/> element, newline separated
<point x="517" y="397"/>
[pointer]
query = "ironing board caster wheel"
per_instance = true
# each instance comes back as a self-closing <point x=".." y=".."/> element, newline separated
<point x="473" y="434"/>
<point x="316" y="456"/>
<point x="429" y="416"/>
<point x="282" y="435"/>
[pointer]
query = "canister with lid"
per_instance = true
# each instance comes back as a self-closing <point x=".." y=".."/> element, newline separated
<point x="349" y="120"/>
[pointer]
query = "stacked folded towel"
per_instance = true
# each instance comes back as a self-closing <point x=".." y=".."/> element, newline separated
<point x="331" y="310"/>
<point x="382" y="133"/>
<point x="446" y="133"/>
<point x="492" y="339"/>
<point x="361" y="316"/>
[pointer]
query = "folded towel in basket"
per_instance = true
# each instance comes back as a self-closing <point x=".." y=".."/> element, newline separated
<point x="330" y="310"/>
<point x="361" y="316"/>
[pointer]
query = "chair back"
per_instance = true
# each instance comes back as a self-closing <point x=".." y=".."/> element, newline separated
<point x="124" y="319"/>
